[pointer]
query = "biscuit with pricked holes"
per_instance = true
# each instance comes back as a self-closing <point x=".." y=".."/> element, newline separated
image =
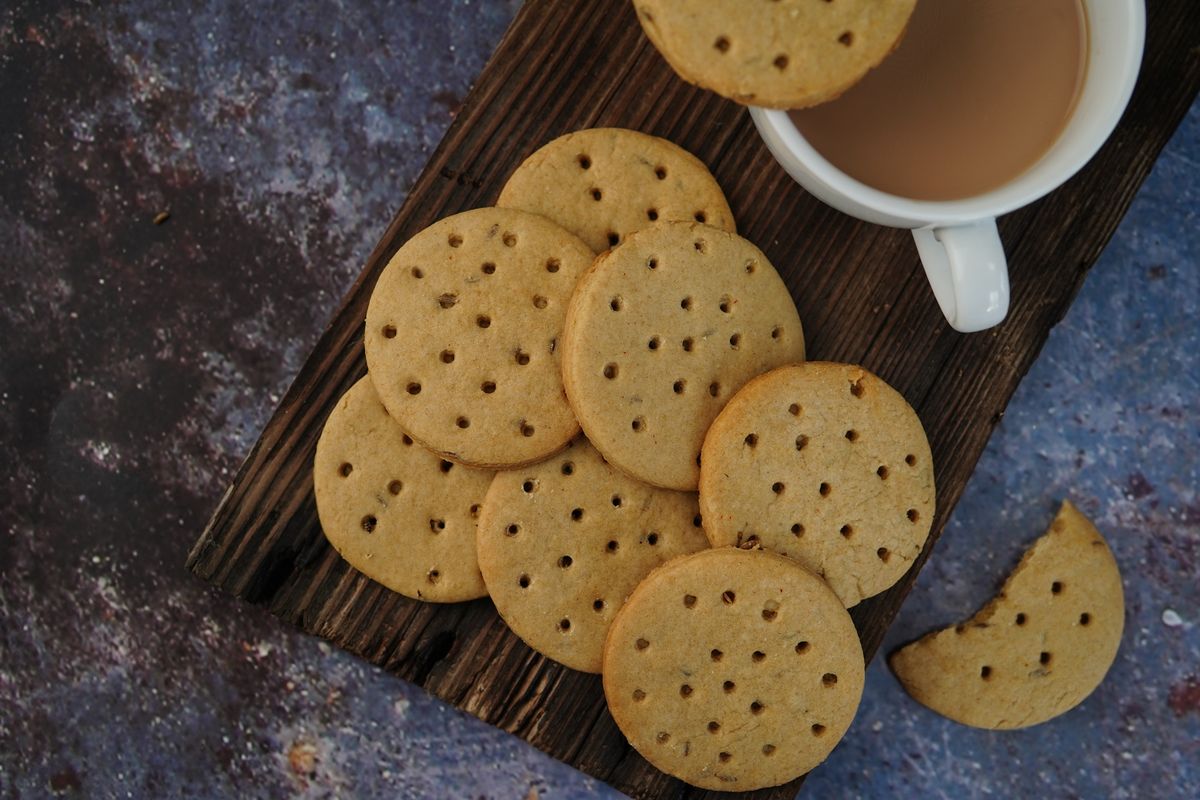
<point x="462" y="336"/>
<point x="660" y="333"/>
<point x="1035" y="651"/>
<point x="396" y="512"/>
<point x="602" y="184"/>
<point x="824" y="463"/>
<point x="562" y="544"/>
<point x="733" y="669"/>
<point x="778" y="54"/>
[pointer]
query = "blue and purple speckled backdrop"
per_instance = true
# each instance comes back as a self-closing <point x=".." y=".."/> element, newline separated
<point x="138" y="362"/>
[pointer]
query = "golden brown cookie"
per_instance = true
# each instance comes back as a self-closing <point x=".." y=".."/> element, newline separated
<point x="1035" y="651"/>
<point x="603" y="184"/>
<point x="780" y="54"/>
<point x="824" y="463"/>
<point x="564" y="542"/>
<point x="462" y="336"/>
<point x="660" y="333"/>
<point x="396" y="512"/>
<point x="733" y="669"/>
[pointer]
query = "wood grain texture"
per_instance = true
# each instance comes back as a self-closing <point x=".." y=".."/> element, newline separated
<point x="566" y="65"/>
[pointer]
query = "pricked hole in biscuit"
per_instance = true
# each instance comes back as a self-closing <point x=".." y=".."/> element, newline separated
<point x="735" y="340"/>
<point x="758" y="656"/>
<point x="539" y="301"/>
<point x="912" y="515"/>
<point x="369" y="522"/>
<point x="688" y="344"/>
<point x="700" y="217"/>
<point x="1085" y="619"/>
<point x="829" y="680"/>
<point x="751" y="439"/>
<point x="825" y="489"/>
<point x="454" y="240"/>
<point x="883" y="554"/>
<point x="584" y="161"/>
<point x="523" y="581"/>
<point x="689" y="601"/>
<point x="652" y="263"/>
<point x="801" y="442"/>
<point x="638" y="425"/>
<point x="660" y="173"/>
<point x="394" y="487"/>
<point x="610" y="371"/>
<point x="856" y="388"/>
<point x="615" y="304"/>
<point x="568" y="468"/>
<point x="1044" y="658"/>
<point x="714" y="389"/>
<point x="728" y="686"/>
<point x="414" y="388"/>
<point x="488" y="268"/>
<point x="564" y="625"/>
<point x="617" y="501"/>
<point x="638" y="695"/>
<point x="911" y="460"/>
<point x="509" y="239"/>
<point x="846" y="531"/>
<point x="597" y="195"/>
<point x="724" y="758"/>
<point x="757" y="707"/>
<point x="701" y="246"/>
<point x="802" y="647"/>
<point x="553" y="265"/>
<point x="721" y="44"/>
<point x="513" y="529"/>
<point x="777" y="487"/>
<point x="437" y="525"/>
<point x="985" y="672"/>
<point x="776" y="332"/>
<point x="577" y="514"/>
<point x="433" y="576"/>
<point x="474" y="510"/>
<point x="882" y="472"/>
<point x="417" y="273"/>
<point x="652" y="215"/>
<point x="614" y="239"/>
<point x="751" y="265"/>
<point x="770" y="611"/>
<point x="798" y="529"/>
<point x="407" y="440"/>
<point x="728" y="597"/>
<point x="780" y="62"/>
<point x="818" y="729"/>
<point x="652" y="539"/>
<point x="794" y="409"/>
<point x="663" y="737"/>
<point x="612" y="546"/>
<point x="768" y="750"/>
<point x="483" y="321"/>
<point x="685" y="691"/>
<point x="345" y="469"/>
<point x="1056" y="587"/>
<point x="715" y="654"/>
<point x="521" y="357"/>
<point x="678" y="386"/>
<point x="654" y="343"/>
<point x="447" y="356"/>
<point x="389" y="331"/>
<point x="1021" y="618"/>
<point x="697" y="521"/>
<point x="714" y="726"/>
<point x="846" y="39"/>
<point x="488" y="387"/>
<point x="852" y="436"/>
<point x="446" y="466"/>
<point x="565" y="562"/>
<point x="598" y="605"/>
<point x="641" y="644"/>
<point x="686" y="304"/>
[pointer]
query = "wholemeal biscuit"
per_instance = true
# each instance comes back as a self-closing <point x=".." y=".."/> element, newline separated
<point x="733" y="669"/>
<point x="1035" y="651"/>
<point x="787" y="54"/>
<point x="824" y="463"/>
<point x="660" y="333"/>
<point x="563" y="543"/>
<point x="396" y="512"/>
<point x="603" y="184"/>
<point x="462" y="336"/>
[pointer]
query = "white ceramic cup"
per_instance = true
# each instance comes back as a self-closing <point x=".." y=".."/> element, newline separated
<point x="957" y="240"/>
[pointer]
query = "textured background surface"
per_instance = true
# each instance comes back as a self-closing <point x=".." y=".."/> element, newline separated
<point x="138" y="361"/>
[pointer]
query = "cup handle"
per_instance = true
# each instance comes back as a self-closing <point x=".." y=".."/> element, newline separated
<point x="966" y="267"/>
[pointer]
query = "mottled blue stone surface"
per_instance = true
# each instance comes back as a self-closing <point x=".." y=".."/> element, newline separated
<point x="139" y="361"/>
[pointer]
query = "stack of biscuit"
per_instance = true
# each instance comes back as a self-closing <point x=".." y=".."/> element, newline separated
<point x="591" y="404"/>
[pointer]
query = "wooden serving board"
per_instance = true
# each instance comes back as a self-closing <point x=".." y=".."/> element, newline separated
<point x="570" y="64"/>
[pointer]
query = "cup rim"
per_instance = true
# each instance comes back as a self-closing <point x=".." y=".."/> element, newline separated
<point x="1021" y="190"/>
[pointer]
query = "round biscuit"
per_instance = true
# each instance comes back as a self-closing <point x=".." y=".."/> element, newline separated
<point x="660" y="333"/>
<point x="824" y="463"/>
<point x="462" y="336"/>
<point x="780" y="54"/>
<point x="602" y="184"/>
<point x="397" y="513"/>
<point x="733" y="669"/>
<point x="563" y="543"/>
